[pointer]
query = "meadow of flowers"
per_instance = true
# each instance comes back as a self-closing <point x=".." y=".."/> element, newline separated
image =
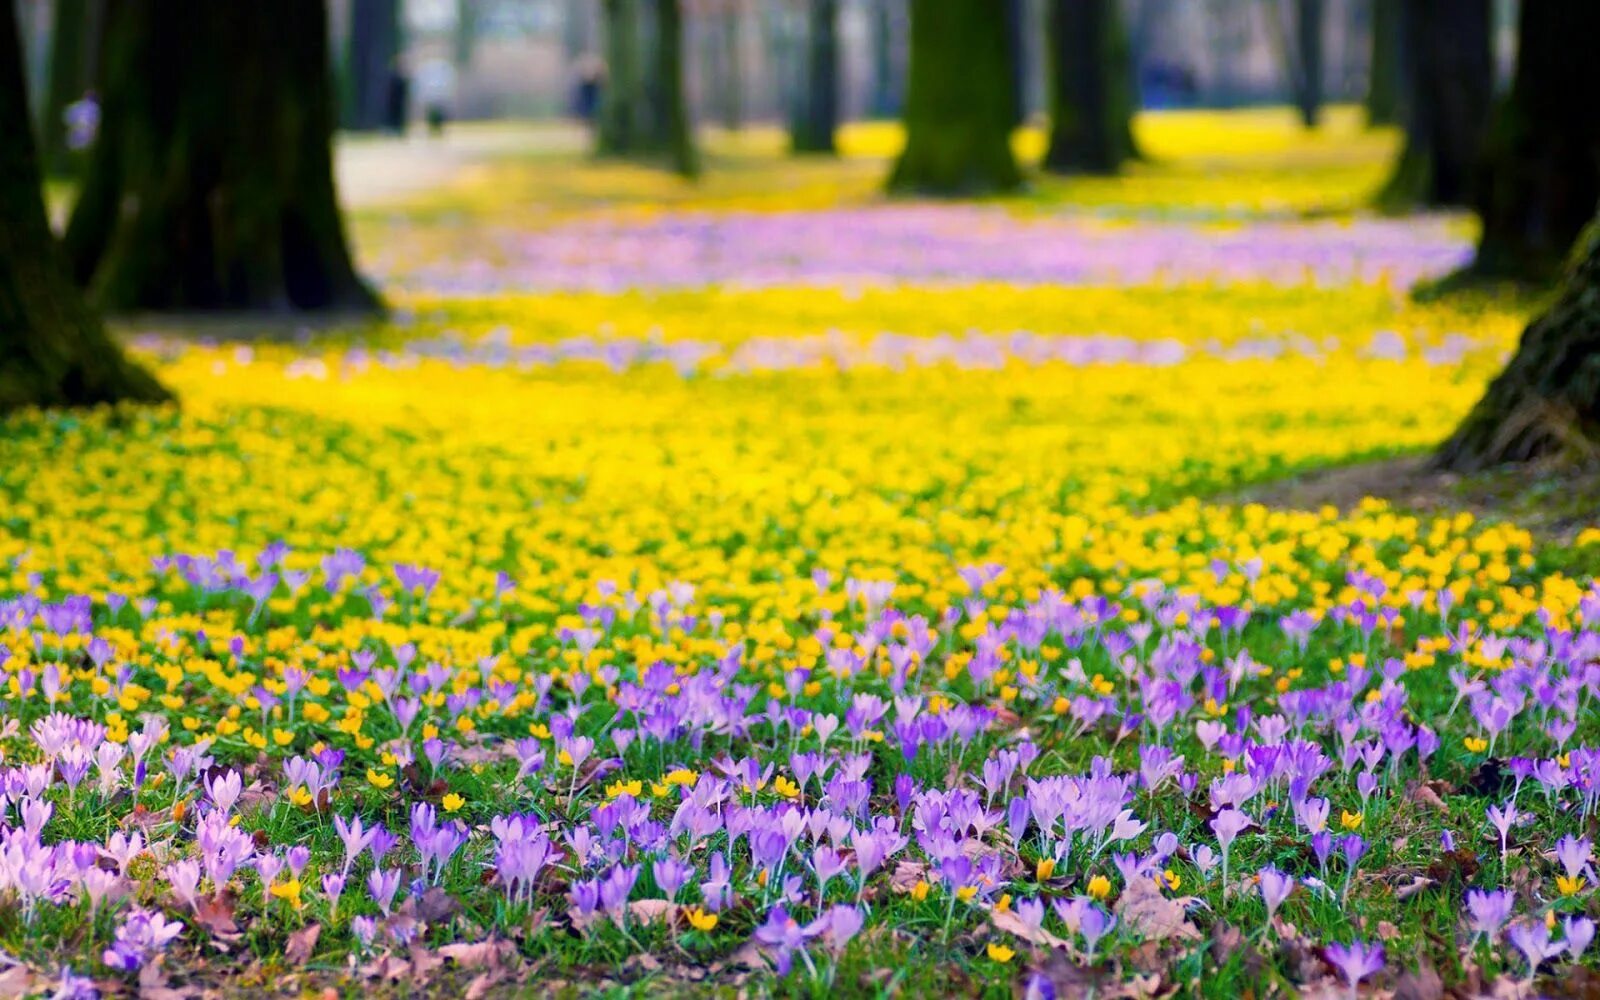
<point x="796" y="621"/>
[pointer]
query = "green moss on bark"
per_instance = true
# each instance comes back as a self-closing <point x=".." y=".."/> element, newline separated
<point x="1547" y="401"/>
<point x="959" y="102"/>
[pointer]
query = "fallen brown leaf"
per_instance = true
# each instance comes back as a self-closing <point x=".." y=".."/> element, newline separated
<point x="1010" y="923"/>
<point x="1142" y="908"/>
<point x="490" y="954"/>
<point x="907" y="874"/>
<point x="1419" y="984"/>
<point x="649" y="911"/>
<point x="301" y="944"/>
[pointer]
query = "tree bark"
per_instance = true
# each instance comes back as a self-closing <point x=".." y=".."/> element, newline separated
<point x="1309" y="59"/>
<point x="1541" y="176"/>
<point x="371" y="62"/>
<point x="677" y="132"/>
<point x="1091" y="91"/>
<point x="1449" y="89"/>
<point x="731" y="101"/>
<point x="623" y="104"/>
<point x="211" y="186"/>
<point x="885" y="97"/>
<point x="1547" y="401"/>
<point x="959" y="101"/>
<point x="1017" y="29"/>
<point x="816" y="115"/>
<point x="54" y="351"/>
<point x="1384" y="73"/>
<point x="464" y="40"/>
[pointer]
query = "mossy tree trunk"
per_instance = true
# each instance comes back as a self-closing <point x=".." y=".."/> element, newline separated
<point x="816" y="114"/>
<point x="959" y="102"/>
<point x="1541" y="175"/>
<point x="623" y="104"/>
<point x="371" y="61"/>
<point x="1091" y="88"/>
<point x="672" y="104"/>
<point x="73" y="35"/>
<point x="53" y="349"/>
<point x="1449" y="90"/>
<point x="211" y="186"/>
<point x="1384" y="73"/>
<point x="646" y="113"/>
<point x="1547" y="401"/>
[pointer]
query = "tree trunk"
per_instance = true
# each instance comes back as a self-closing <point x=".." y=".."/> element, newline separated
<point x="1547" y="401"/>
<point x="885" y="98"/>
<point x="731" y="100"/>
<point x="1450" y="83"/>
<point x="465" y="38"/>
<point x="1542" y="163"/>
<point x="211" y="186"/>
<point x="959" y="102"/>
<point x="623" y="103"/>
<point x="1091" y="91"/>
<point x="1384" y="73"/>
<point x="72" y="45"/>
<point x="53" y="349"/>
<point x="1017" y="29"/>
<point x="677" y="131"/>
<point x="816" y="115"/>
<point x="1308" y="58"/>
<point x="371" y="63"/>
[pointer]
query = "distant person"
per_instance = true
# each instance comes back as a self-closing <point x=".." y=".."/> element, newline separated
<point x="590" y="74"/>
<point x="436" y="88"/>
<point x="82" y="119"/>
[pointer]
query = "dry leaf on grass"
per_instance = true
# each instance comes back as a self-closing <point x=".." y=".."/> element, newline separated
<point x="1010" y="923"/>
<point x="1142" y="908"/>
<point x="301" y="944"/>
<point x="650" y="911"/>
<point x="906" y="875"/>
<point x="490" y="954"/>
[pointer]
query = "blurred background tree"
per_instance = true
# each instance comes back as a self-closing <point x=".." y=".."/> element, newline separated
<point x="960" y="101"/>
<point x="210" y="185"/>
<point x="54" y="351"/>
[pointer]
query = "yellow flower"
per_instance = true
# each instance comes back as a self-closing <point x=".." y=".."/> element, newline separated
<point x="919" y="892"/>
<point x="299" y="796"/>
<point x="1000" y="953"/>
<point x="377" y="780"/>
<point x="452" y="802"/>
<point x="786" y="788"/>
<point x="1570" y="885"/>
<point x="1171" y="879"/>
<point x="966" y="892"/>
<point x="624" y="787"/>
<point x="1100" y="887"/>
<point x="1350" y="820"/>
<point x="288" y="890"/>
<point x="1044" y="869"/>
<point x="1475" y="744"/>
<point x="700" y="920"/>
